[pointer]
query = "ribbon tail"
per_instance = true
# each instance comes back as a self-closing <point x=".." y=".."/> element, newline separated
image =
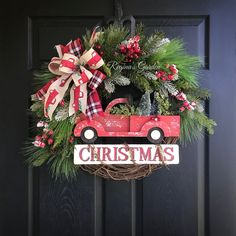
<point x="55" y="94"/>
<point x="78" y="99"/>
<point x="94" y="105"/>
<point x="39" y="95"/>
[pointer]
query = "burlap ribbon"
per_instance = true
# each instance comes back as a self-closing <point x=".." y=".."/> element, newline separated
<point x="74" y="65"/>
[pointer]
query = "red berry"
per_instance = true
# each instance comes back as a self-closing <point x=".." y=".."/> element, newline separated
<point x="175" y="71"/>
<point x="158" y="74"/>
<point x="131" y="51"/>
<point x="122" y="48"/>
<point x="186" y="103"/>
<point x="38" y="138"/>
<point x="50" y="132"/>
<point x="50" y="141"/>
<point x="71" y="140"/>
<point x="129" y="45"/>
<point x="170" y="77"/>
<point x="136" y="38"/>
<point x="44" y="136"/>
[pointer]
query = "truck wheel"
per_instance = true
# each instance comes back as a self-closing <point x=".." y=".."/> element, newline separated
<point x="88" y="135"/>
<point x="155" y="135"/>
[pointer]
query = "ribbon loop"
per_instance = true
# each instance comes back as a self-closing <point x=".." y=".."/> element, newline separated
<point x="73" y="47"/>
<point x="92" y="59"/>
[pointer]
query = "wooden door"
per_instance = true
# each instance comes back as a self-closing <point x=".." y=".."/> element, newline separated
<point x="196" y="197"/>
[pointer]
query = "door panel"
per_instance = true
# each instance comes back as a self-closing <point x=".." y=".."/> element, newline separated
<point x="193" y="198"/>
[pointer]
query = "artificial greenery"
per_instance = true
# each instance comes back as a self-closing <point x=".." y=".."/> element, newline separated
<point x="157" y="53"/>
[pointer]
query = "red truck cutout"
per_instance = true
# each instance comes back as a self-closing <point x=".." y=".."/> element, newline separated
<point x="154" y="127"/>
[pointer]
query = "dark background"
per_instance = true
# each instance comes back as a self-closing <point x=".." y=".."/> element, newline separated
<point x="194" y="198"/>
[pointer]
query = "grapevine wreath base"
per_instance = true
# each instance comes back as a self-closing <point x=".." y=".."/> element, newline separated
<point x="125" y="172"/>
<point x="90" y="71"/>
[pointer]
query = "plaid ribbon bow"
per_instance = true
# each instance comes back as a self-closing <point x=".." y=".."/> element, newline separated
<point x="70" y="66"/>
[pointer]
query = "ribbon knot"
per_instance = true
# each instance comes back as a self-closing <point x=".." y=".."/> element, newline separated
<point x="70" y="66"/>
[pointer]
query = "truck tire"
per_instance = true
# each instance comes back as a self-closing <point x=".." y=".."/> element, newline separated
<point x="88" y="135"/>
<point x="155" y="135"/>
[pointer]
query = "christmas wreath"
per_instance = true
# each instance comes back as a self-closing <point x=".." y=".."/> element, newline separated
<point x="87" y="73"/>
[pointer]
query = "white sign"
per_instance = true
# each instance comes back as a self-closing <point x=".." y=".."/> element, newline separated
<point x="96" y="154"/>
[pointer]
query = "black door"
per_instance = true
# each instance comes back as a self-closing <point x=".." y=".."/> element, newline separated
<point x="196" y="197"/>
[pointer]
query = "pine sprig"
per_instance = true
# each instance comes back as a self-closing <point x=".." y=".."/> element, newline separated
<point x="193" y="125"/>
<point x="41" y="77"/>
<point x="153" y="43"/>
<point x="36" y="156"/>
<point x="62" y="165"/>
<point x="62" y="131"/>
<point x="140" y="82"/>
<point x="123" y="110"/>
<point x="116" y="79"/>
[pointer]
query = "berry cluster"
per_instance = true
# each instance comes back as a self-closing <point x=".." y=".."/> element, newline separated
<point x="46" y="137"/>
<point x="41" y="140"/>
<point x="172" y="73"/>
<point x="131" y="48"/>
<point x="186" y="104"/>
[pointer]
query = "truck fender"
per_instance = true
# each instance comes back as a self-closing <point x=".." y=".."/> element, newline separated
<point x="83" y="124"/>
<point x="165" y="128"/>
